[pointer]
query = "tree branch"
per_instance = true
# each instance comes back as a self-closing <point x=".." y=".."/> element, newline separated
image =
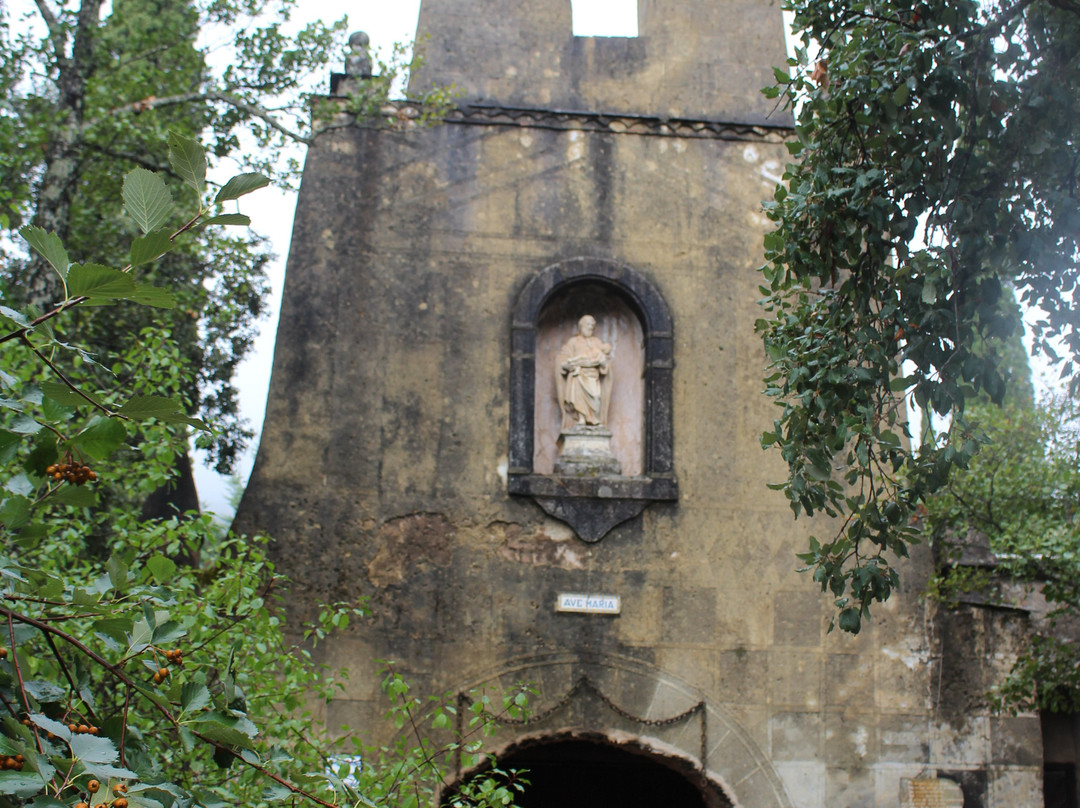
<point x="71" y="385"/>
<point x="56" y="33"/>
<point x="131" y="157"/>
<point x="153" y="102"/>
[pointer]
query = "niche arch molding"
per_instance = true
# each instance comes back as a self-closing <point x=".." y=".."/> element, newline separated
<point x="592" y="506"/>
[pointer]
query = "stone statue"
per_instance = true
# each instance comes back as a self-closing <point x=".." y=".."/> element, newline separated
<point x="582" y="377"/>
<point x="358" y="60"/>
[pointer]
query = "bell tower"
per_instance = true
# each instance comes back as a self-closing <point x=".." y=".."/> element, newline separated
<point x="432" y="366"/>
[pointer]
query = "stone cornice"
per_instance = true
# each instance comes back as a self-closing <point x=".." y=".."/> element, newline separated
<point x="403" y="115"/>
<point x="614" y="123"/>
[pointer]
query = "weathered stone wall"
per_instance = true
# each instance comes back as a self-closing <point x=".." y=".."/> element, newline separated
<point x="383" y="461"/>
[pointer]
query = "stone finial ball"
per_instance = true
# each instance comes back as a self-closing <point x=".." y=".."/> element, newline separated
<point x="359" y="39"/>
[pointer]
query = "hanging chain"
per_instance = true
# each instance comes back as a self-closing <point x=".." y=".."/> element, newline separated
<point x="583" y="684"/>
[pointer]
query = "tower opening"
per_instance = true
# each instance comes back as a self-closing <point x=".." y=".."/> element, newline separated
<point x="605" y="17"/>
<point x="582" y="773"/>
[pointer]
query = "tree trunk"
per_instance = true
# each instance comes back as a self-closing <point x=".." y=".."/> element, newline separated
<point x="41" y="286"/>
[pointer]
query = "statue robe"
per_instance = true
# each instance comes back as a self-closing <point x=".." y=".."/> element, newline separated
<point x="583" y="391"/>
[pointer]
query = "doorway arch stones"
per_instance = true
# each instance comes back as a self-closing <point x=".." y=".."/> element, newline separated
<point x="735" y="762"/>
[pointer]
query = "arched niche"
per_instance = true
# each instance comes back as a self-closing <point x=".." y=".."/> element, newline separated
<point x="633" y="316"/>
<point x="619" y="326"/>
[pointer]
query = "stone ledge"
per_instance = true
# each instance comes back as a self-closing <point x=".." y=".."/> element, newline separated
<point x="649" y="489"/>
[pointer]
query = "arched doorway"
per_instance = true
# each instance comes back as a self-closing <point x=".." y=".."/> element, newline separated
<point x="585" y="771"/>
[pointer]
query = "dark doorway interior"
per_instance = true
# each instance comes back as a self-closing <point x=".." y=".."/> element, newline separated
<point x="1059" y="785"/>
<point x="587" y="774"/>
<point x="1061" y="755"/>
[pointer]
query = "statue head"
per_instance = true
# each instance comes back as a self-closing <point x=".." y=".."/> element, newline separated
<point x="358" y="60"/>
<point x="586" y="325"/>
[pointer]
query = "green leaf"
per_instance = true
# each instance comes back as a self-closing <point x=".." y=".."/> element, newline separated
<point x="15" y="512"/>
<point x="103" y="437"/>
<point x="9" y="444"/>
<point x="162" y="568"/>
<point x="164" y="409"/>
<point x="224" y="729"/>
<point x="64" y="395"/>
<point x="151" y="246"/>
<point x="146" y="199"/>
<point x="115" y="628"/>
<point x="16" y="317"/>
<point x="188" y="739"/>
<point x="19" y="784"/>
<point x="850" y="620"/>
<point x="141" y="636"/>
<point x="47" y="693"/>
<point x="228" y="218"/>
<point x="44" y="801"/>
<point x="76" y="496"/>
<point x="25" y="425"/>
<point x="196" y="423"/>
<point x="54" y="412"/>
<point x="275" y="792"/>
<point x="20" y="485"/>
<point x="118" y="577"/>
<point x="96" y="281"/>
<point x="49" y="246"/>
<point x="188" y="159"/>
<point x="239" y="185"/>
<point x="93" y="749"/>
<point x="168" y="632"/>
<point x="33" y="394"/>
<point x="51" y="725"/>
<point x="194" y="696"/>
<point x="104" y="771"/>
<point x="153" y="296"/>
<point x="141" y="408"/>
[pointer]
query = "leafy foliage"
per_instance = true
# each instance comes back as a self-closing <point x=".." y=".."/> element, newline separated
<point x="413" y="771"/>
<point x="84" y="98"/>
<point x="370" y="101"/>
<point x="1020" y="497"/>
<point x="955" y="121"/>
<point x="135" y="657"/>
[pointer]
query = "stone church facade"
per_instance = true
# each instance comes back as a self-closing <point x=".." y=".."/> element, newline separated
<point x="413" y="435"/>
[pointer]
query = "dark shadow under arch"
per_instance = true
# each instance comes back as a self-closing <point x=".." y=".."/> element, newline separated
<point x="594" y="505"/>
<point x="587" y="770"/>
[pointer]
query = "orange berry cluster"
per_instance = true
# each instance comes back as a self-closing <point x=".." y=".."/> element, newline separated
<point x="119" y="790"/>
<point x="73" y="472"/>
<point x="82" y="729"/>
<point x="12" y="762"/>
<point x="173" y="657"/>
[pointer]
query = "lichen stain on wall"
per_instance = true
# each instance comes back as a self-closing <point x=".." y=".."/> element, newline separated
<point x="539" y="548"/>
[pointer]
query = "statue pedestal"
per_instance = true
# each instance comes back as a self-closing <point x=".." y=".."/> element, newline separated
<point x="586" y="452"/>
